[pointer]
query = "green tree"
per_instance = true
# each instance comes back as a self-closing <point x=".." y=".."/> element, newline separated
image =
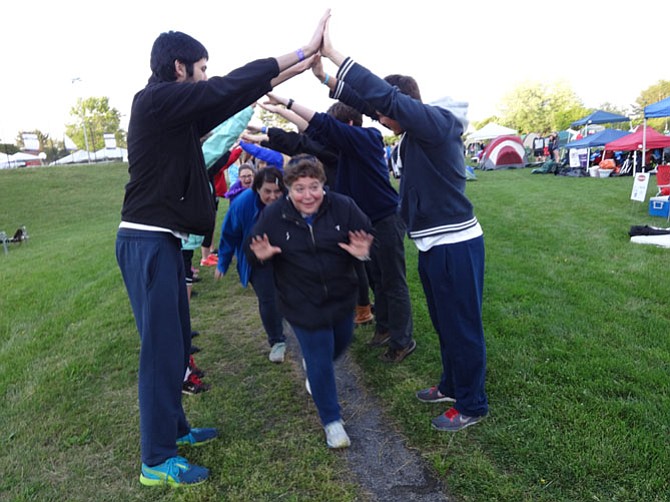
<point x="650" y="95"/>
<point x="536" y="107"/>
<point x="96" y="114"/>
<point x="270" y="119"/>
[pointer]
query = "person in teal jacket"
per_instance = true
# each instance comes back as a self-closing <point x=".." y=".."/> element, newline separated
<point x="268" y="186"/>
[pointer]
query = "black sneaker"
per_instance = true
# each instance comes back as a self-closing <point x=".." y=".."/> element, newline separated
<point x="194" y="349"/>
<point x="398" y="355"/>
<point x="194" y="369"/>
<point x="433" y="395"/>
<point x="193" y="385"/>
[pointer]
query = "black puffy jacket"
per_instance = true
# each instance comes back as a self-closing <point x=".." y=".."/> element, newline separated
<point x="314" y="277"/>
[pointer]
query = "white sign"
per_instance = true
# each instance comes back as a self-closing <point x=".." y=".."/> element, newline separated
<point x="639" y="192"/>
<point x="110" y="140"/>
<point x="30" y="142"/>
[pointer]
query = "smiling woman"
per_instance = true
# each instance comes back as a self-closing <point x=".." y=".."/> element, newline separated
<point x="313" y="238"/>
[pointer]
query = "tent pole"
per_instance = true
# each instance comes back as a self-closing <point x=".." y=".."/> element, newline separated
<point x="644" y="139"/>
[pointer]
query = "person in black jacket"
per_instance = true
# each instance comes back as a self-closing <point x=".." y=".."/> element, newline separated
<point x="313" y="239"/>
<point x="167" y="198"/>
<point x="293" y="143"/>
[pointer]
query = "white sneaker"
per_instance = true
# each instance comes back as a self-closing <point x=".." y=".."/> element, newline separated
<point x="277" y="352"/>
<point x="336" y="436"/>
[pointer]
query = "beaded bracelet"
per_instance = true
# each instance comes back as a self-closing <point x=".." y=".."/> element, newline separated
<point x="301" y="54"/>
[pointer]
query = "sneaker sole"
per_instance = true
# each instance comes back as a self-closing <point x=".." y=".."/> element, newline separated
<point x="344" y="444"/>
<point x="197" y="443"/>
<point x="448" y="429"/>
<point x="169" y="482"/>
<point x="444" y="399"/>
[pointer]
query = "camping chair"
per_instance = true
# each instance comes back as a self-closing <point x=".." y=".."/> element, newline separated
<point x="663" y="179"/>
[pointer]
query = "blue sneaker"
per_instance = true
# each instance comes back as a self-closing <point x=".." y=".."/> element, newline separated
<point x="196" y="437"/>
<point x="175" y="471"/>
<point x="452" y="421"/>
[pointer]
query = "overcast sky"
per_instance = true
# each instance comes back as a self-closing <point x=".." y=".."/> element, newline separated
<point x="474" y="51"/>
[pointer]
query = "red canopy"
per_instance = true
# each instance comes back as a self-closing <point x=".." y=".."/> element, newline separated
<point x="634" y="141"/>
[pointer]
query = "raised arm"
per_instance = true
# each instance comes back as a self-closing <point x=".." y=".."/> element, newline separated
<point x="274" y="105"/>
<point x="302" y="54"/>
<point x="304" y="113"/>
<point x="327" y="48"/>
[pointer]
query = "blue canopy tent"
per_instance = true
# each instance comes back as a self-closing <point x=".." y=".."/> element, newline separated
<point x="660" y="109"/>
<point x="652" y="111"/>
<point x="600" y="138"/>
<point x="599" y="117"/>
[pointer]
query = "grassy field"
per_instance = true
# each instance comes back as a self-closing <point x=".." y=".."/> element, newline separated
<point x="576" y="319"/>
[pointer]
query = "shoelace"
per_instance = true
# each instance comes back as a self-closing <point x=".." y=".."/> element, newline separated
<point x="451" y="413"/>
<point x="174" y="467"/>
<point x="193" y="378"/>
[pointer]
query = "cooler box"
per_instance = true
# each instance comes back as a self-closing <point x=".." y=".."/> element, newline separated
<point x="659" y="206"/>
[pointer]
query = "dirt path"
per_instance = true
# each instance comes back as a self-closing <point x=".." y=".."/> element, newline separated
<point x="383" y="466"/>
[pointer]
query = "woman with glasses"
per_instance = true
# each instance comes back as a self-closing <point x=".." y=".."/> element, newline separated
<point x="245" y="178"/>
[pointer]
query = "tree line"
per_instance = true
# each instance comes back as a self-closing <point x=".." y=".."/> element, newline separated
<point x="531" y="107"/>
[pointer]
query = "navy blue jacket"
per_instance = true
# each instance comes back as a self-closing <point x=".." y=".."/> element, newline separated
<point x="361" y="169"/>
<point x="168" y="184"/>
<point x="315" y="279"/>
<point x="432" y="186"/>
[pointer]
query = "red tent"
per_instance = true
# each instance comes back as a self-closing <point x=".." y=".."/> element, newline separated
<point x="504" y="152"/>
<point x="634" y="141"/>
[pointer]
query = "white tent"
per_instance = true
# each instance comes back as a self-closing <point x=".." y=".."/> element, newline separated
<point x="489" y="131"/>
<point x="19" y="159"/>
<point x="77" y="157"/>
<point x="117" y="153"/>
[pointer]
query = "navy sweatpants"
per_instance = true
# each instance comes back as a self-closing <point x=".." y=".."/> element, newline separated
<point x="453" y="280"/>
<point x="152" y="267"/>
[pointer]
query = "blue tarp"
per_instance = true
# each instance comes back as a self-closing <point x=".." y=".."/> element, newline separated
<point x="660" y="109"/>
<point x="600" y="117"/>
<point x="598" y="139"/>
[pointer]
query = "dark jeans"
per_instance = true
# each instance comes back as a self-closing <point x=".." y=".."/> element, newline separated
<point x="262" y="280"/>
<point x="393" y="309"/>
<point x="152" y="267"/>
<point x="453" y="280"/>
<point x="320" y="347"/>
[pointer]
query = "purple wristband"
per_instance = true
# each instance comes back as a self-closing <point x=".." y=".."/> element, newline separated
<point x="301" y="54"/>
